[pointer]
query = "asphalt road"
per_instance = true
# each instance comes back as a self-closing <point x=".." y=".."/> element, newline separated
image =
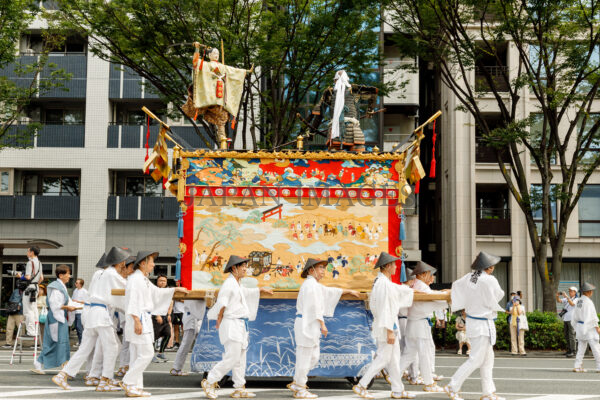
<point x="532" y="378"/>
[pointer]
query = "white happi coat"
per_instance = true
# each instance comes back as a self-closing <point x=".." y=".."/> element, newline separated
<point x="142" y="298"/>
<point x="86" y="306"/>
<point x="100" y="293"/>
<point x="479" y="300"/>
<point x="585" y="311"/>
<point x="240" y="303"/>
<point x="386" y="301"/>
<point x="314" y="302"/>
<point x="418" y="325"/>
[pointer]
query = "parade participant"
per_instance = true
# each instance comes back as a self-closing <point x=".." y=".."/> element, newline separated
<point x="412" y="371"/>
<point x="56" y="348"/>
<point x="236" y="305"/>
<point x="387" y="298"/>
<point x="315" y="301"/>
<point x="142" y="298"/>
<point x="418" y="329"/>
<point x="124" y="354"/>
<point x="193" y="313"/>
<point x="585" y="322"/>
<point x="99" y="323"/>
<point x="94" y="370"/>
<point x="478" y="293"/>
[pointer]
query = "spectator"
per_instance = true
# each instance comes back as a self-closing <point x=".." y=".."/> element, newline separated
<point x="177" y="318"/>
<point x="518" y="326"/>
<point x="461" y="332"/>
<point x="55" y="350"/>
<point x="511" y="299"/>
<point x="162" y="326"/>
<point x="80" y="295"/>
<point x="15" y="316"/>
<point x="33" y="273"/>
<point x="41" y="308"/>
<point x="568" y="302"/>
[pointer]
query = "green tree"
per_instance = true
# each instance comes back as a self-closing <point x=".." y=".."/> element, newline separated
<point x="296" y="47"/>
<point x="554" y="57"/>
<point x="20" y="79"/>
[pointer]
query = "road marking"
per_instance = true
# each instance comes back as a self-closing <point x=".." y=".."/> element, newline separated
<point x="561" y="397"/>
<point x="38" y="392"/>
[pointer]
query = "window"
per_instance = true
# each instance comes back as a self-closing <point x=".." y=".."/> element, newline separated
<point x="65" y="116"/>
<point x="164" y="268"/>
<point x="4" y="182"/>
<point x="536" y="131"/>
<point x="592" y="154"/>
<point x="143" y="186"/>
<point x="60" y="186"/>
<point x="536" y="205"/>
<point x="589" y="211"/>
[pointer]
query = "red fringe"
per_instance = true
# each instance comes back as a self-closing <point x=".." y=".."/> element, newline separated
<point x="433" y="138"/>
<point x="417" y="186"/>
<point x="147" y="171"/>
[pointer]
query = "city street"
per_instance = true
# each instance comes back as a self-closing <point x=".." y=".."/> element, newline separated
<point x="537" y="377"/>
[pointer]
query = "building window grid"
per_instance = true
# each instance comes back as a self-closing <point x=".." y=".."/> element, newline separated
<point x="589" y="212"/>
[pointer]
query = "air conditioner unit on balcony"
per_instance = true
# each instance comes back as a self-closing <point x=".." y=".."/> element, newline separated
<point x="24" y="120"/>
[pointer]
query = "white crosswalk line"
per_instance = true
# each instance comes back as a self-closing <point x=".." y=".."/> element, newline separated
<point x="561" y="397"/>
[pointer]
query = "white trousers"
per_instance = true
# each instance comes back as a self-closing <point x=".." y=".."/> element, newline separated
<point x="187" y="342"/>
<point x="31" y="314"/>
<point x="582" y="348"/>
<point x="110" y="350"/>
<point x="97" y="360"/>
<point x="90" y="360"/>
<point x="124" y="354"/>
<point x="234" y="360"/>
<point x="388" y="357"/>
<point x="419" y="350"/>
<point x="482" y="357"/>
<point x="306" y="359"/>
<point x="140" y="357"/>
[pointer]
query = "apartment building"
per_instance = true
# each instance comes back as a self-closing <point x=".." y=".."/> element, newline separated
<point x="478" y="212"/>
<point x="81" y="183"/>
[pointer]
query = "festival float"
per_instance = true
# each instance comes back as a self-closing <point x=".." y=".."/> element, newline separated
<point x="280" y="207"/>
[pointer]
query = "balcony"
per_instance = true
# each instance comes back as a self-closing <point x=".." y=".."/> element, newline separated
<point x="74" y="64"/>
<point x="142" y="208"/>
<point x="485" y="153"/>
<point x="493" y="221"/>
<point x="124" y="83"/>
<point x="496" y="72"/>
<point x="39" y="207"/>
<point x="47" y="136"/>
<point x="134" y="137"/>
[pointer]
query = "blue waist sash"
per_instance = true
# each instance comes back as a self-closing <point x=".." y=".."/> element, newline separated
<point x="479" y="318"/>
<point x="98" y="305"/>
<point x="403" y="317"/>
<point x="429" y="321"/>
<point x="246" y="323"/>
<point x="580" y="322"/>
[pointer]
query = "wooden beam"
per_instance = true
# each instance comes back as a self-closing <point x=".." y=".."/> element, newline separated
<point x="430" y="120"/>
<point x="290" y="295"/>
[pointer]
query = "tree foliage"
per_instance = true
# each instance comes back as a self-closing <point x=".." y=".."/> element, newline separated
<point x="553" y="58"/>
<point x="20" y="79"/>
<point x="296" y="47"/>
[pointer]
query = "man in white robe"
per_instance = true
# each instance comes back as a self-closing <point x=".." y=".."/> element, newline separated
<point x="124" y="353"/>
<point x="585" y="323"/>
<point x="411" y="373"/>
<point x="142" y="298"/>
<point x="418" y="329"/>
<point x="193" y="313"/>
<point x="387" y="298"/>
<point x="100" y="325"/>
<point x="235" y="306"/>
<point x="478" y="293"/>
<point x="315" y="301"/>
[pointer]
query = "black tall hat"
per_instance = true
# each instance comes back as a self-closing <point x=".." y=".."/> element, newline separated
<point x="102" y="262"/>
<point x="410" y="274"/>
<point x="233" y="261"/>
<point x="484" y="261"/>
<point x="587" y="287"/>
<point x="142" y="255"/>
<point x="117" y="255"/>
<point x="311" y="262"/>
<point x="385" y="259"/>
<point x="423" y="267"/>
<point x="130" y="260"/>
